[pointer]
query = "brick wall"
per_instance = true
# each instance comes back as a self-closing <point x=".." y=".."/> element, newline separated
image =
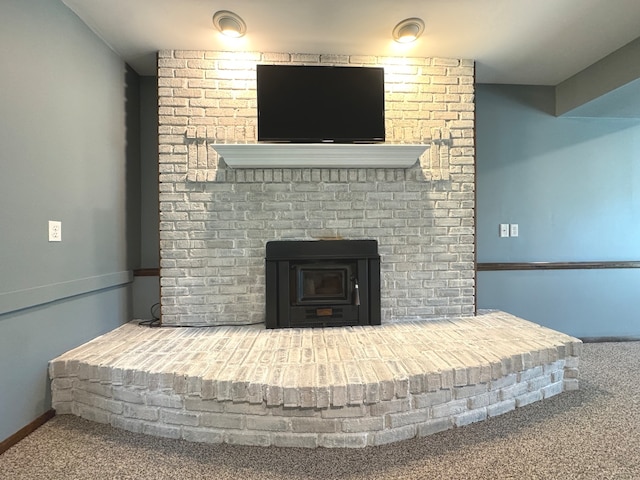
<point x="215" y="221"/>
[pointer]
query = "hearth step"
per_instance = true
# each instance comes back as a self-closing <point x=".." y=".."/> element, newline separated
<point x="330" y="387"/>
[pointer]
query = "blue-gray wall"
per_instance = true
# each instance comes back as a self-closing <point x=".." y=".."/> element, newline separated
<point x="146" y="290"/>
<point x="149" y="208"/>
<point x="65" y="154"/>
<point x="573" y="187"/>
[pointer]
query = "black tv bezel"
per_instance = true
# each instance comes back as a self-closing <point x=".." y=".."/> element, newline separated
<point x="377" y="135"/>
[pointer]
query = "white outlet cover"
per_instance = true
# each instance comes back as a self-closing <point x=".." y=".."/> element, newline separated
<point x="55" y="231"/>
<point x="513" y="230"/>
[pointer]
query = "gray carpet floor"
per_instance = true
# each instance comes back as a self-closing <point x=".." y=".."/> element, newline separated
<point x="593" y="433"/>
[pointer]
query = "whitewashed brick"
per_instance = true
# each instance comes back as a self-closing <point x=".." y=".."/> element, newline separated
<point x="430" y="399"/>
<point x="101" y="389"/>
<point x="503" y="382"/>
<point x="394" y="435"/>
<point x="140" y="412"/>
<point x="528" y="398"/>
<point x="129" y="396"/>
<point x="483" y="400"/>
<point x="351" y="411"/>
<point x="342" y="440"/>
<point x="222" y="420"/>
<point x="62" y="396"/>
<point x="174" y="417"/>
<point x="572" y="362"/>
<point x="91" y="413"/>
<point x="552" y="389"/>
<point x="269" y="423"/>
<point x="202" y="435"/>
<point x="571" y="372"/>
<point x="314" y="425"/>
<point x="258" y="439"/>
<point x="186" y="353"/>
<point x="571" y="384"/>
<point x="406" y="418"/>
<point x="436" y="425"/>
<point x="393" y="406"/>
<point x="449" y="409"/>
<point x="212" y="96"/>
<point x="501" y="407"/>
<point x="296" y="440"/>
<point x="469" y="417"/>
<point x="366" y="424"/>
<point x="128" y="424"/>
<point x="63" y="407"/>
<point x="470" y="390"/>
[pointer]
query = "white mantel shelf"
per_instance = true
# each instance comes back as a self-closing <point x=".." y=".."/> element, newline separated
<point x="320" y="155"/>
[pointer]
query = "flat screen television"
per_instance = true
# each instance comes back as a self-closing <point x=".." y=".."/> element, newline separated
<point x="302" y="104"/>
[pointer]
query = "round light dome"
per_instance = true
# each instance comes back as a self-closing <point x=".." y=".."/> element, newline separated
<point x="229" y="24"/>
<point x="408" y="30"/>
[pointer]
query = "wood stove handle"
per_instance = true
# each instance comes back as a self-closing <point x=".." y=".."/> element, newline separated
<point x="356" y="291"/>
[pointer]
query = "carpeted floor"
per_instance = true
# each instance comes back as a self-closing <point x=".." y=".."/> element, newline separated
<point x="593" y="433"/>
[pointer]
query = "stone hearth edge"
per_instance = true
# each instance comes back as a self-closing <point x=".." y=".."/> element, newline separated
<point x="331" y="387"/>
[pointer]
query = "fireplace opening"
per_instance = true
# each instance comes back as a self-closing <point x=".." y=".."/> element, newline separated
<point x="319" y="283"/>
<point x="322" y="283"/>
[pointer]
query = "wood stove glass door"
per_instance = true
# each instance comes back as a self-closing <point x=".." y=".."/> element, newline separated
<point x="323" y="283"/>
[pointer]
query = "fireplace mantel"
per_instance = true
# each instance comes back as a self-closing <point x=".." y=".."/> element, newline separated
<point x="320" y="155"/>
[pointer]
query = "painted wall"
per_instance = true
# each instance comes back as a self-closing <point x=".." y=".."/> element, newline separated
<point x="146" y="290"/>
<point x="150" y="230"/>
<point x="573" y="186"/>
<point x="63" y="157"/>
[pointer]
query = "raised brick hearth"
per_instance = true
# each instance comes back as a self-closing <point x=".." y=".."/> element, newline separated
<point x="329" y="387"/>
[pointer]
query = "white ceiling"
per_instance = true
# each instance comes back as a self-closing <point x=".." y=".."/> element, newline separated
<point x="538" y="42"/>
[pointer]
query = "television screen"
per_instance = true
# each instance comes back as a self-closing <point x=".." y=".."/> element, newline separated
<point x="320" y="104"/>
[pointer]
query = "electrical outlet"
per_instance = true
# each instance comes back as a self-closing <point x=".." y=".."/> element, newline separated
<point x="513" y="230"/>
<point x="504" y="230"/>
<point x="55" y="231"/>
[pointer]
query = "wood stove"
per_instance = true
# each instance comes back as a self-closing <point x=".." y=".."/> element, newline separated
<point x="324" y="283"/>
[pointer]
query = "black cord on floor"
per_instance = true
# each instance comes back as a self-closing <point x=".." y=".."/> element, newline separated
<point x="155" y="318"/>
<point x="155" y="321"/>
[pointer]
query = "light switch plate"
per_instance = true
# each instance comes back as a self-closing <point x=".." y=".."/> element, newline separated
<point x="504" y="230"/>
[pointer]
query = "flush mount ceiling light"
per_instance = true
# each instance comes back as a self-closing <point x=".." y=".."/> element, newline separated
<point x="408" y="30"/>
<point x="229" y="24"/>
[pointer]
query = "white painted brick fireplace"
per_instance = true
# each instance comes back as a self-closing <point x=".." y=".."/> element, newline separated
<point x="215" y="220"/>
<point x="415" y="375"/>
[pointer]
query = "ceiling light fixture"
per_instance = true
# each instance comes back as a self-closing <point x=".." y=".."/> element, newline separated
<point x="229" y="24"/>
<point x="408" y="30"/>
